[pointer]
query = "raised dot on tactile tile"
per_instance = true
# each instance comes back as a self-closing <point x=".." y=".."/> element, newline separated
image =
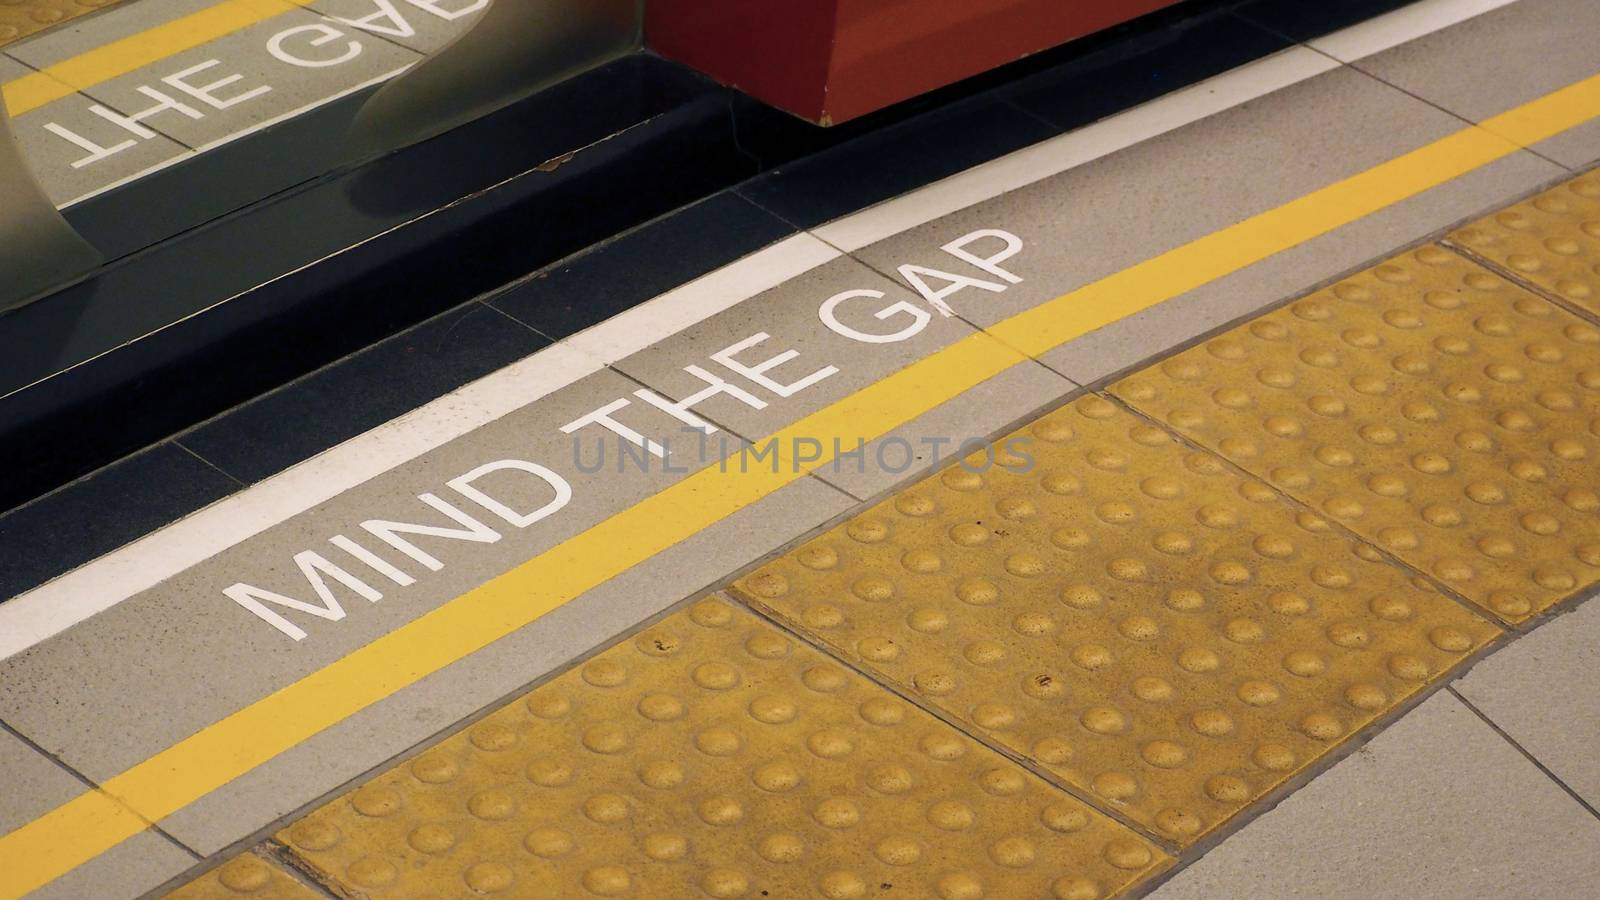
<point x="718" y="742"/>
<point x="1321" y="726"/>
<point x="867" y="530"/>
<point x="1117" y="786"/>
<point x="1212" y="722"/>
<point x="656" y="642"/>
<point x="725" y="883"/>
<point x="660" y="707"/>
<point x="950" y="815"/>
<point x="489" y="877"/>
<point x="1070" y="888"/>
<point x="1033" y="624"/>
<point x="977" y="591"/>
<point x="882" y="711"/>
<point x="371" y="872"/>
<point x="1164" y="754"/>
<point x="890" y="779"/>
<point x="1368" y="697"/>
<point x="721" y="811"/>
<point x="769" y="585"/>
<point x="823" y="678"/>
<point x="842" y="885"/>
<point x="665" y="846"/>
<point x="897" y="850"/>
<point x="1178" y="823"/>
<point x="606" y="739"/>
<point x="1061" y="483"/>
<point x="878" y="649"/>
<point x="830" y="743"/>
<point x="777" y="777"/>
<point x="492" y="805"/>
<point x="715" y="614"/>
<point x="431" y="838"/>
<point x="311" y="834"/>
<point x="547" y="842"/>
<point x="1198" y="660"/>
<point x="772" y="709"/>
<point x="492" y="737"/>
<point x="660" y="774"/>
<point x="1127" y="854"/>
<point x="548" y="704"/>
<point x="837" y="812"/>
<point x="993" y="716"/>
<point x="376" y="801"/>
<point x="1408" y="667"/>
<point x="1139" y="628"/>
<point x="1258" y="693"/>
<point x="1043" y="686"/>
<point x="1052" y="429"/>
<point x="716" y="676"/>
<point x="781" y="848"/>
<point x="1052" y="751"/>
<point x="607" y="881"/>
<point x="244" y="874"/>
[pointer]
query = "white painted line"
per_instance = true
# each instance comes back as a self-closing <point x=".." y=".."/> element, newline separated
<point x="1404" y="24"/>
<point x="629" y="332"/>
<point x="96" y="586"/>
<point x="1058" y="154"/>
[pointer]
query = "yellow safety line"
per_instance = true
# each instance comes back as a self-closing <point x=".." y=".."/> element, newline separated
<point x="46" y="848"/>
<point x="136" y="51"/>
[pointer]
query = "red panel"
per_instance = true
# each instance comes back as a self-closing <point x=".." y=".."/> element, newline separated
<point x="777" y="50"/>
<point x="889" y="50"/>
<point x="833" y="60"/>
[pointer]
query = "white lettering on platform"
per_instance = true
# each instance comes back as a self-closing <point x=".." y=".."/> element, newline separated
<point x="761" y="371"/>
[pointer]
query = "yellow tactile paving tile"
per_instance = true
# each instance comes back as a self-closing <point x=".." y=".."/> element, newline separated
<point x="246" y="875"/>
<point x="1552" y="241"/>
<point x="1128" y="612"/>
<point x="1428" y="405"/>
<point x="21" y="18"/>
<point x="714" y="756"/>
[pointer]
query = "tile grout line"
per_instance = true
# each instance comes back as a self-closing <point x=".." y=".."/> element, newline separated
<point x="771" y="618"/>
<point x="1451" y="687"/>
<point x="7" y="729"/>
<point x="1295" y="503"/>
<point x="177" y="442"/>
<point x="1353" y="65"/>
<point x="292" y="863"/>
<point x="1511" y="275"/>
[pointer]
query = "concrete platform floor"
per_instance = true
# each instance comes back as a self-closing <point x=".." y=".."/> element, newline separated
<point x="1199" y="501"/>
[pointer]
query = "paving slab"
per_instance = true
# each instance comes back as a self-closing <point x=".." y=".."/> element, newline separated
<point x="170" y="661"/>
<point x="1438" y="805"/>
<point x="1550" y="242"/>
<point x="1132" y="616"/>
<point x="1541" y="692"/>
<point x="251" y="76"/>
<point x="35" y="785"/>
<point x="246" y="874"/>
<point x="59" y="140"/>
<point x="714" y="755"/>
<point x="1513" y="54"/>
<point x="1426" y="404"/>
<point x="1102" y="217"/>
